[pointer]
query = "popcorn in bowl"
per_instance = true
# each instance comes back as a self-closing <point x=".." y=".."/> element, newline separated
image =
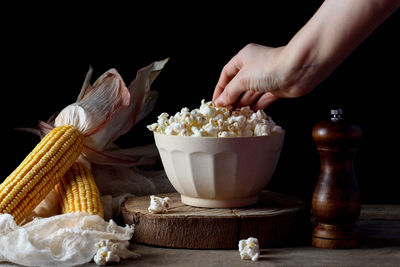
<point x="212" y="121"/>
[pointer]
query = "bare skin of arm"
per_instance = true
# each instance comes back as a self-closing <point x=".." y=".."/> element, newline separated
<point x="259" y="75"/>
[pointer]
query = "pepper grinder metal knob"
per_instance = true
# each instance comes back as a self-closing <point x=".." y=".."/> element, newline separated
<point x="336" y="199"/>
<point x="336" y="114"/>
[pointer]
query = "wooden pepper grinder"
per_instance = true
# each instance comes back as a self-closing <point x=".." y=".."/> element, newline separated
<point x="336" y="199"/>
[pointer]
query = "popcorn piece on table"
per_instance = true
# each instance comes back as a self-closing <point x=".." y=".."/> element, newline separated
<point x="249" y="249"/>
<point x="105" y="254"/>
<point x="158" y="204"/>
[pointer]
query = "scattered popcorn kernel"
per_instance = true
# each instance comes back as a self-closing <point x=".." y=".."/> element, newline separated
<point x="212" y="121"/>
<point x="158" y="204"/>
<point x="105" y="254"/>
<point x="249" y="249"/>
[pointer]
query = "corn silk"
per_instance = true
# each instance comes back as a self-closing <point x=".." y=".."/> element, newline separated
<point x="103" y="112"/>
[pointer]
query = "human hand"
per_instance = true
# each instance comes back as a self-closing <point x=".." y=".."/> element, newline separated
<point x="259" y="75"/>
<point x="256" y="77"/>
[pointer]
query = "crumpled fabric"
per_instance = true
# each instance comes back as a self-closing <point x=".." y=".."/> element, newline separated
<point x="62" y="240"/>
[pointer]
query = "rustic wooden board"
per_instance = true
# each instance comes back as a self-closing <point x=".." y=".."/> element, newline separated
<point x="277" y="220"/>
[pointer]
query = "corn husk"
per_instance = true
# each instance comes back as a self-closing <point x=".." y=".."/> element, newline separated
<point x="103" y="111"/>
<point x="106" y="110"/>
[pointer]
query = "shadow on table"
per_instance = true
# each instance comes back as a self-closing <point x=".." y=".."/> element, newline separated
<point x="377" y="234"/>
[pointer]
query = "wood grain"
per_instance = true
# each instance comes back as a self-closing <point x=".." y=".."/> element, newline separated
<point x="380" y="243"/>
<point x="277" y="220"/>
<point x="336" y="199"/>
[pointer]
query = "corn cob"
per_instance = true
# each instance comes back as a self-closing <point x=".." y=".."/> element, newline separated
<point x="78" y="192"/>
<point x="40" y="171"/>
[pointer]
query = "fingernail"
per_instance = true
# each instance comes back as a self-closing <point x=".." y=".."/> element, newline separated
<point x="219" y="101"/>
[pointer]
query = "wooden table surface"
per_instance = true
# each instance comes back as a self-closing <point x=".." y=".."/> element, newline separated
<point x="380" y="234"/>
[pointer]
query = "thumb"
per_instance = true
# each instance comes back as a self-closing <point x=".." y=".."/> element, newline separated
<point x="232" y="91"/>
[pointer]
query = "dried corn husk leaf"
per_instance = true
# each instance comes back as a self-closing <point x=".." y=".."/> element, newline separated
<point x="103" y="112"/>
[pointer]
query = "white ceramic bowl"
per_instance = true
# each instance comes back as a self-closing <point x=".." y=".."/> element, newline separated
<point x="219" y="172"/>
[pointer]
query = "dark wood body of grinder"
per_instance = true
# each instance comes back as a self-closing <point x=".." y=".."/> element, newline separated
<point x="336" y="198"/>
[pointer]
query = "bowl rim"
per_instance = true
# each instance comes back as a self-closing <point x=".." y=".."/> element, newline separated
<point x="225" y="138"/>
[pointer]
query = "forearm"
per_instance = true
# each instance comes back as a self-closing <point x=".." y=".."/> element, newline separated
<point x="334" y="31"/>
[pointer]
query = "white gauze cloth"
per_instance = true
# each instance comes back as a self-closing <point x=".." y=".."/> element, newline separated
<point x="62" y="240"/>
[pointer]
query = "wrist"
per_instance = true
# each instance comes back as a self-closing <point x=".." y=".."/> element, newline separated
<point x="301" y="70"/>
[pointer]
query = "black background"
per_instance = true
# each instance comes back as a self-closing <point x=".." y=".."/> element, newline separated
<point x="47" y="49"/>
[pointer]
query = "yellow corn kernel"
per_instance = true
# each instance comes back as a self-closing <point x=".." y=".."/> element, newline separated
<point x="77" y="191"/>
<point x="40" y="171"/>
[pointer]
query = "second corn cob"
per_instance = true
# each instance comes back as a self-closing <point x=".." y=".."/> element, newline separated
<point x="77" y="191"/>
<point x="40" y="171"/>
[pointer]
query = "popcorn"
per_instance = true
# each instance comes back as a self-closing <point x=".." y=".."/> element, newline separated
<point x="211" y="129"/>
<point x="240" y="120"/>
<point x="198" y="132"/>
<point x="249" y="249"/>
<point x="226" y="134"/>
<point x="158" y="204"/>
<point x="163" y="118"/>
<point x="261" y="129"/>
<point x="208" y="109"/>
<point x="105" y="254"/>
<point x="212" y="121"/>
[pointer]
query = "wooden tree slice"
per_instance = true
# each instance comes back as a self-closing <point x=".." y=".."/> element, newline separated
<point x="276" y="220"/>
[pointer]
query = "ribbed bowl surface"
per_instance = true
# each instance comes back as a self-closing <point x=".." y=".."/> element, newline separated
<point x="219" y="172"/>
